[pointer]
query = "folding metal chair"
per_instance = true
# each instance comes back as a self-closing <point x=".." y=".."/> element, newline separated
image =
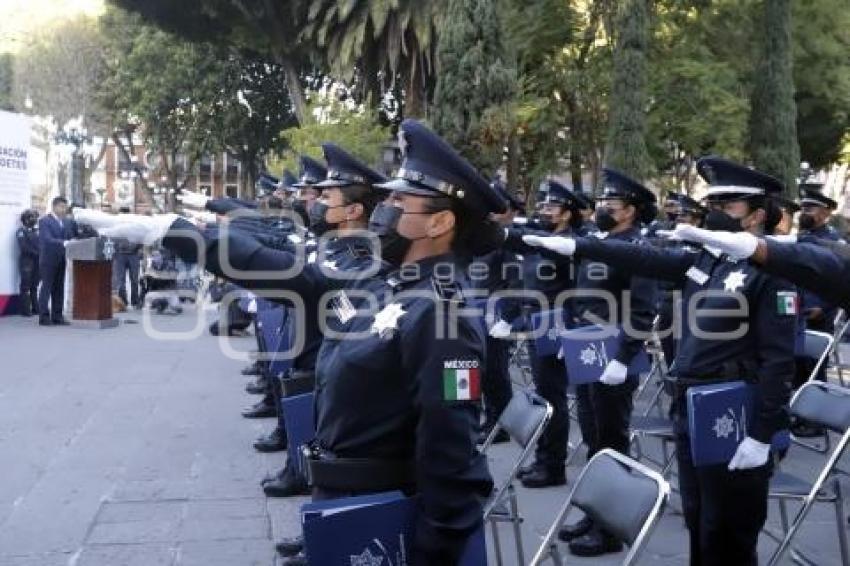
<point x="841" y="325"/>
<point x="621" y="495"/>
<point x="524" y="419"/>
<point x="659" y="426"/>
<point x="825" y="405"/>
<point x="816" y="346"/>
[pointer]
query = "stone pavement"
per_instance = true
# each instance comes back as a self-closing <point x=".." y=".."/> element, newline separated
<point x="120" y="450"/>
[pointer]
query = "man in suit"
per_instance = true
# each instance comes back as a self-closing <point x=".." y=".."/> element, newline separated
<point x="54" y="229"/>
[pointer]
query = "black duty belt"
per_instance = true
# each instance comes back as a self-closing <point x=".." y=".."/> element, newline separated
<point x="297" y="382"/>
<point x="327" y="471"/>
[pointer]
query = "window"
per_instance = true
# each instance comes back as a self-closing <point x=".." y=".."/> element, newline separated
<point x="205" y="189"/>
<point x="232" y="191"/>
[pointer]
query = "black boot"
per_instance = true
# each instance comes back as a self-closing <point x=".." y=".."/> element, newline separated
<point x="263" y="410"/>
<point x="258" y="387"/>
<point x="292" y="483"/>
<point x="290" y="546"/>
<point x="501" y="436"/>
<point x="275" y="441"/>
<point x="544" y="476"/>
<point x="595" y="542"/>
<point x="576" y="530"/>
<point x="299" y="559"/>
<point x="253" y="369"/>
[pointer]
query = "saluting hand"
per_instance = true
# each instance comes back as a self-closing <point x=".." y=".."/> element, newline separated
<point x="614" y="374"/>
<point x="558" y="244"/>
<point x="750" y="454"/>
<point x="738" y="245"/>
<point x="195" y="200"/>
<point x="500" y="330"/>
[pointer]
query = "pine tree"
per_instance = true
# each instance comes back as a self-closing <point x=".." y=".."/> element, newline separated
<point x="474" y="78"/>
<point x="626" y="146"/>
<point x="774" y="148"/>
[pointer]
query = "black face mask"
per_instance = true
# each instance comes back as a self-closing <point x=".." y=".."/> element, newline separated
<point x="384" y="223"/>
<point x="300" y="208"/>
<point x="719" y="220"/>
<point x="545" y="222"/>
<point x="672" y="216"/>
<point x="807" y="222"/>
<point x="605" y="221"/>
<point x="318" y="223"/>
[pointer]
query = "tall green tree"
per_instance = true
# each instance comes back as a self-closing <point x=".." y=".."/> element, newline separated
<point x="272" y="29"/>
<point x="626" y="147"/>
<point x="473" y="79"/>
<point x="822" y="78"/>
<point x="378" y="41"/>
<point x="773" y="115"/>
<point x="6" y="79"/>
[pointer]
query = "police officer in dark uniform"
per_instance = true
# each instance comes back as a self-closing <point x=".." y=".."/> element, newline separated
<point x="27" y="237"/>
<point x="127" y="260"/>
<point x="587" y="210"/>
<point x="820" y="266"/>
<point x="397" y="407"/>
<point x="725" y="506"/>
<point x="312" y="173"/>
<point x="339" y="219"/>
<point x="816" y="210"/>
<point x="788" y="208"/>
<point x="689" y="212"/>
<point x="549" y="275"/>
<point x="495" y="272"/>
<point x="604" y="408"/>
<point x="672" y="210"/>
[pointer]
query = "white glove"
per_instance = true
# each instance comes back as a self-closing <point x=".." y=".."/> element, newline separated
<point x="558" y="244"/>
<point x="195" y="200"/>
<point x="202" y="216"/>
<point x="614" y="374"/>
<point x="252" y="306"/>
<point x="132" y="231"/>
<point x="94" y="218"/>
<point x="750" y="454"/>
<point x="739" y="245"/>
<point x="784" y="238"/>
<point x="65" y="243"/>
<point x="500" y="330"/>
<point x="135" y="227"/>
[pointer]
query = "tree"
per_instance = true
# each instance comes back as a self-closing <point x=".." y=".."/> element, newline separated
<point x="773" y="117"/>
<point x="473" y="79"/>
<point x="187" y="100"/>
<point x="272" y="29"/>
<point x="379" y="40"/>
<point x="821" y="34"/>
<point x="59" y="70"/>
<point x="626" y="147"/>
<point x="6" y="78"/>
<point x="354" y="128"/>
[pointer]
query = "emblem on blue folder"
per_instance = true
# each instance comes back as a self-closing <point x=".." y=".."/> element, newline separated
<point x="588" y="350"/>
<point x="719" y="417"/>
<point x="367" y="559"/>
<point x="594" y="355"/>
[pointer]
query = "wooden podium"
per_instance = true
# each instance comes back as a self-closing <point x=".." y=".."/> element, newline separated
<point x="91" y="261"/>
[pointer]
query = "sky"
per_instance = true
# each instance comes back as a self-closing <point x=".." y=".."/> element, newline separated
<point x="18" y="18"/>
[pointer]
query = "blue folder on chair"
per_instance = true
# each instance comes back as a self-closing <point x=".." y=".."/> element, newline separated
<point x="547" y="327"/>
<point x="299" y="417"/>
<point x="588" y="350"/>
<point x="719" y="416"/>
<point x="368" y="530"/>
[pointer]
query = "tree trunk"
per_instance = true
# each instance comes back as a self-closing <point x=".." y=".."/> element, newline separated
<point x="296" y="89"/>
<point x="414" y="92"/>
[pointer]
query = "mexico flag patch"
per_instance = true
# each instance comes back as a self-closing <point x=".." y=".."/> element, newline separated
<point x="461" y="380"/>
<point x="787" y="303"/>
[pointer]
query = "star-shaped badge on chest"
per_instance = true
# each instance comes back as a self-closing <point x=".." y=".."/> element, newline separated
<point x="734" y="281"/>
<point x="387" y="320"/>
